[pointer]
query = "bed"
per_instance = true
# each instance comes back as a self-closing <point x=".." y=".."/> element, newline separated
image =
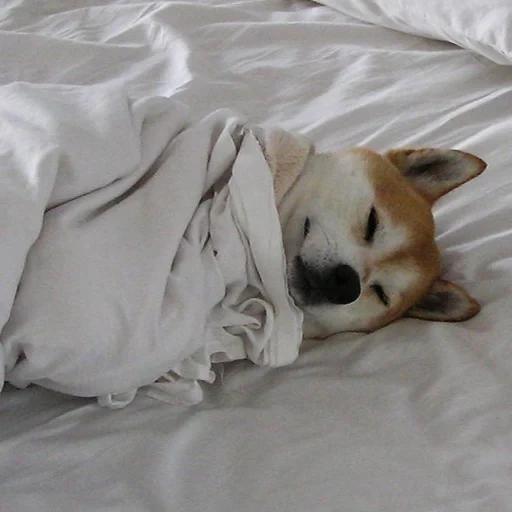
<point x="414" y="417"/>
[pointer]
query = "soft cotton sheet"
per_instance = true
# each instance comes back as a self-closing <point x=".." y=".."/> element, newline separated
<point x="151" y="248"/>
<point x="417" y="416"/>
<point x="483" y="27"/>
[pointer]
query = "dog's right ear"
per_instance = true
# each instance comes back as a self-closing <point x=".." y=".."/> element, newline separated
<point x="286" y="154"/>
<point x="445" y="302"/>
<point x="434" y="172"/>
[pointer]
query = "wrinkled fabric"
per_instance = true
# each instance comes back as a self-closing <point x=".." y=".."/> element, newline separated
<point x="414" y="417"/>
<point x="154" y="245"/>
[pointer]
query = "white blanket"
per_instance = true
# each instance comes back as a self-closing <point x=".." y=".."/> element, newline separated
<point x="414" y="417"/>
<point x="152" y="247"/>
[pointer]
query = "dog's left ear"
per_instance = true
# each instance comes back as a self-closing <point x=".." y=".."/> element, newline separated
<point x="434" y="172"/>
<point x="445" y="302"/>
<point x="286" y="154"/>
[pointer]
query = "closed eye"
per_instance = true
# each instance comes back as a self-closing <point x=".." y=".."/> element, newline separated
<point x="306" y="228"/>
<point x="371" y="225"/>
<point x="381" y="294"/>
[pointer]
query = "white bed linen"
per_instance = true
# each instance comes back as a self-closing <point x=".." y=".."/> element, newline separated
<point x="417" y="416"/>
<point x="484" y="27"/>
<point x="154" y="246"/>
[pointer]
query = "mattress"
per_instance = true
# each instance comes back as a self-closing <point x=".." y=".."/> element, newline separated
<point x="414" y="417"/>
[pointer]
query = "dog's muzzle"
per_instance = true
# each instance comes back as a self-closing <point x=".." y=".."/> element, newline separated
<point x="339" y="284"/>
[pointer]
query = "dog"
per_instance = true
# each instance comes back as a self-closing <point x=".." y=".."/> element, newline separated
<point x="359" y="234"/>
<point x="224" y="242"/>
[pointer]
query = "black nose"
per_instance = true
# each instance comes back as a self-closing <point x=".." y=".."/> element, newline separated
<point x="342" y="285"/>
<point x="336" y="285"/>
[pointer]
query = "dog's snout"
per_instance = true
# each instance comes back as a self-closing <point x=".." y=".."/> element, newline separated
<point x="336" y="285"/>
<point x="342" y="285"/>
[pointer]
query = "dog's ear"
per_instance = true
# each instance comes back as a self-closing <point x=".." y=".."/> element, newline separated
<point x="445" y="302"/>
<point x="434" y="172"/>
<point x="286" y="154"/>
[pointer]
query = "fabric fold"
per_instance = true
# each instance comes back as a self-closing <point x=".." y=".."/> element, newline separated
<point x="159" y="249"/>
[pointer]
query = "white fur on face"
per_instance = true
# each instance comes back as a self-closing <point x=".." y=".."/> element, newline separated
<point x="336" y="194"/>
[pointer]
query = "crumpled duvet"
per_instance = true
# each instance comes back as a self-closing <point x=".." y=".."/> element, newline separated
<point x="135" y="249"/>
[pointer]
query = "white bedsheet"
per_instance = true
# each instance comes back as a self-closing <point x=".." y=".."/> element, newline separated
<point x="415" y="417"/>
<point x="150" y="247"/>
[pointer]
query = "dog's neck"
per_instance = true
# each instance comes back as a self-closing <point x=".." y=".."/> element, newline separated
<point x="286" y="155"/>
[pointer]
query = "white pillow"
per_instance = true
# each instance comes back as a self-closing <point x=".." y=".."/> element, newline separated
<point x="484" y="27"/>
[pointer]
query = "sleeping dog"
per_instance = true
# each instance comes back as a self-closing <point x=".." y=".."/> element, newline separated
<point x="359" y="234"/>
<point x="170" y="245"/>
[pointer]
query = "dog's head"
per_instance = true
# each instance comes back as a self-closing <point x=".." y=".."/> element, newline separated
<point x="359" y="237"/>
